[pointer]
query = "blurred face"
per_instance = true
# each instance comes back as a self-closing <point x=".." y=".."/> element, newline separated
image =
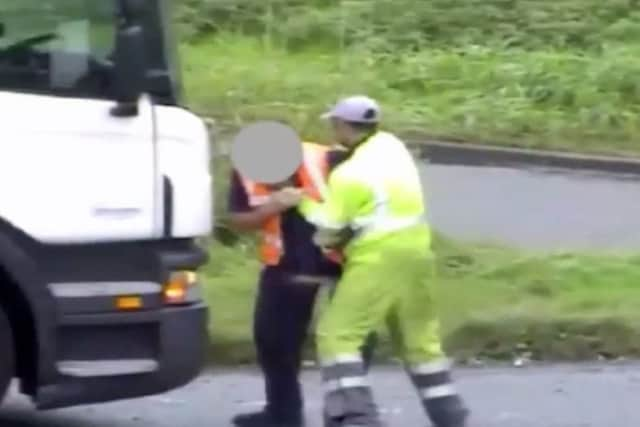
<point x="342" y="132"/>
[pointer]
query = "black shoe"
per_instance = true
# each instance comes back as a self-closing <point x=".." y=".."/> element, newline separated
<point x="460" y="421"/>
<point x="263" y="419"/>
<point x="256" y="419"/>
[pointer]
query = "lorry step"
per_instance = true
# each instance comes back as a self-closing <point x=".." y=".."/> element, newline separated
<point x="105" y="368"/>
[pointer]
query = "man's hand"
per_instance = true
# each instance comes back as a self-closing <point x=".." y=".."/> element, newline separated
<point x="326" y="238"/>
<point x="332" y="239"/>
<point x="279" y="202"/>
<point x="287" y="197"/>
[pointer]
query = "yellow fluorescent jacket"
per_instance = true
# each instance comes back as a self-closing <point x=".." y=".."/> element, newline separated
<point x="376" y="191"/>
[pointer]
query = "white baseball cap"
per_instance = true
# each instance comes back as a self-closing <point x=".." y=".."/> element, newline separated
<point x="357" y="109"/>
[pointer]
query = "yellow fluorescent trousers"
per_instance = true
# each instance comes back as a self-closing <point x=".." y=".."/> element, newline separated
<point x="388" y="276"/>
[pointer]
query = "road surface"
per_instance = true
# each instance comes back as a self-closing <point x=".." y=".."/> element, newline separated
<point x="559" y="396"/>
<point x="535" y="208"/>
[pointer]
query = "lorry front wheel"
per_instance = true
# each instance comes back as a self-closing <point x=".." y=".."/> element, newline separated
<point x="6" y="354"/>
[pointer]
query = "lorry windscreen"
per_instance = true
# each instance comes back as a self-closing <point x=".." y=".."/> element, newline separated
<point x="58" y="47"/>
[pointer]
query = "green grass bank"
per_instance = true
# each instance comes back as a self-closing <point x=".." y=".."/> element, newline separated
<point x="554" y="75"/>
<point x="496" y="304"/>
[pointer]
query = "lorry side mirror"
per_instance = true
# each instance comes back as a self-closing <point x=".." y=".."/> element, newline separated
<point x="134" y="9"/>
<point x="129" y="70"/>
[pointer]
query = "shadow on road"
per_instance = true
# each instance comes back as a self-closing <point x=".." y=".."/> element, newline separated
<point x="11" y="418"/>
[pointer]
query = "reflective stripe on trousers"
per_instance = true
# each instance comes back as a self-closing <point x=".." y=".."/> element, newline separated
<point x="438" y="393"/>
<point x="343" y="371"/>
<point x="348" y="397"/>
<point x="433" y="380"/>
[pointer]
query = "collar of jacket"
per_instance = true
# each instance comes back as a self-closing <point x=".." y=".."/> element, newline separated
<point x="360" y="142"/>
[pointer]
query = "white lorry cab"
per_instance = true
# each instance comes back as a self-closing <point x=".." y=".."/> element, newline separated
<point x="105" y="188"/>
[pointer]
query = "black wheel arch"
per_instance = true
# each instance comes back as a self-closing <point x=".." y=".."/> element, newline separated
<point x="29" y="306"/>
<point x="7" y="355"/>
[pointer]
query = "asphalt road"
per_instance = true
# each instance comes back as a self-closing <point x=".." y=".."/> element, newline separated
<point x="559" y="396"/>
<point x="535" y="208"/>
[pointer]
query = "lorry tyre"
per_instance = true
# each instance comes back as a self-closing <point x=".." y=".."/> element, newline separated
<point x="6" y="354"/>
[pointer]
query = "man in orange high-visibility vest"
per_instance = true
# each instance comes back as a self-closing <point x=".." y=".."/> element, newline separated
<point x="284" y="307"/>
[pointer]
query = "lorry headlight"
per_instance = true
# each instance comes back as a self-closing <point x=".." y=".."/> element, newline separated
<point x="181" y="288"/>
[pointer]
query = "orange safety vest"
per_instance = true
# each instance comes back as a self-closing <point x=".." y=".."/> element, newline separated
<point x="312" y="175"/>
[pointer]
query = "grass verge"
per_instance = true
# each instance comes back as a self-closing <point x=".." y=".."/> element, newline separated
<point x="495" y="304"/>
<point x="554" y="98"/>
<point x="555" y="75"/>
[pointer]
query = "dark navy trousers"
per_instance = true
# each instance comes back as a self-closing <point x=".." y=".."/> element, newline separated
<point x="282" y="317"/>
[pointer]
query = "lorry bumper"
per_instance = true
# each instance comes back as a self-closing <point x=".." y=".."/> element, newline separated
<point x="114" y="356"/>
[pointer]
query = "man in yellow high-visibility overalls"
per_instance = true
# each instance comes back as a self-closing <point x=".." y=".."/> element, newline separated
<point x="388" y="272"/>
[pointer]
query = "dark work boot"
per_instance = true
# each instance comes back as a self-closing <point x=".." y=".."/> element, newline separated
<point x="264" y="419"/>
<point x="453" y="418"/>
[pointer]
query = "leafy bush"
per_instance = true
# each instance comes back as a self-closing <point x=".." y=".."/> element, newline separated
<point x="412" y="24"/>
<point x="549" y="98"/>
<point x="557" y="74"/>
